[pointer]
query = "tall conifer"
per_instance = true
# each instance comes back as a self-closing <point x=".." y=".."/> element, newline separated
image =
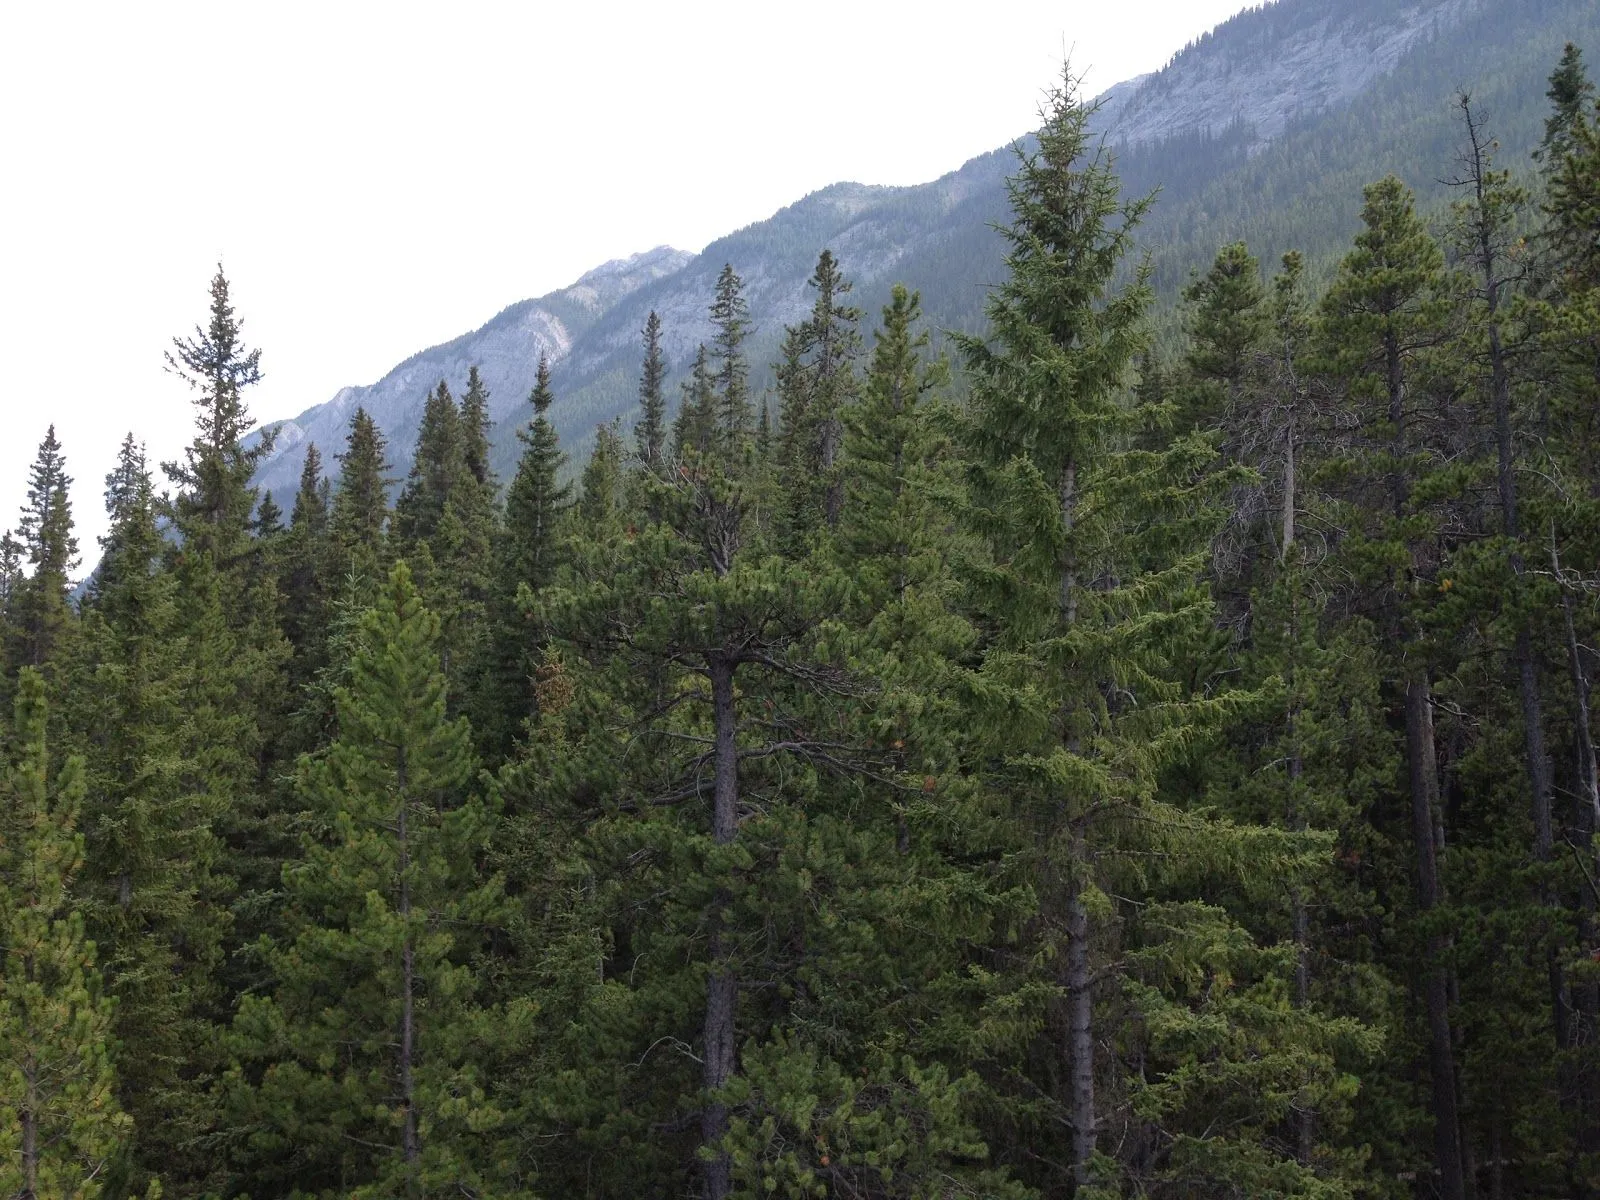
<point x="650" y="434"/>
<point x="371" y="1032"/>
<point x="59" y="1120"/>
<point x="38" y="608"/>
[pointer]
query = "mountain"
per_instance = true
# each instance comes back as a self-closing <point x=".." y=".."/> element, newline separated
<point x="1264" y="129"/>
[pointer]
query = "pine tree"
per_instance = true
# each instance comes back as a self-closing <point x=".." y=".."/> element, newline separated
<point x="361" y="1074"/>
<point x="650" y="434"/>
<point x="735" y="781"/>
<point x="38" y="607"/>
<point x="59" y="1121"/>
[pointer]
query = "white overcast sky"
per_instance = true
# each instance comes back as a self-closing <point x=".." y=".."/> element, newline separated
<point x="377" y="178"/>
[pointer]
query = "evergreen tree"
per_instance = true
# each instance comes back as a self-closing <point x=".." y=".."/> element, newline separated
<point x="1570" y="92"/>
<point x="650" y="434"/>
<point x="361" y="1074"/>
<point x="436" y="472"/>
<point x="475" y="425"/>
<point x="59" y="1121"/>
<point x="359" y="518"/>
<point x="215" y="499"/>
<point x="527" y="553"/>
<point x="1227" y="323"/>
<point x="816" y="382"/>
<point x="695" y="427"/>
<point x="38" y="608"/>
<point x="149" y="896"/>
<point x="1094" y="600"/>
<point x="730" y="372"/>
<point x="1385" y="311"/>
<point x="305" y="584"/>
<point x="890" y="520"/>
<point x="600" y="489"/>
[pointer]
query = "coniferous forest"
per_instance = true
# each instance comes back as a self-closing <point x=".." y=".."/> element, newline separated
<point x="1035" y="764"/>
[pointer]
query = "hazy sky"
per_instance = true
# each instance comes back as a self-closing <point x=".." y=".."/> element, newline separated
<point x="377" y="178"/>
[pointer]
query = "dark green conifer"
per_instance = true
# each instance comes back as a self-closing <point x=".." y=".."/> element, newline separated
<point x="215" y="499"/>
<point x="1384" y="313"/>
<point x="59" y="1120"/>
<point x="1570" y="95"/>
<point x="437" y="471"/>
<point x="816" y="383"/>
<point x="358" y="522"/>
<point x="150" y="896"/>
<point x="527" y="553"/>
<point x="38" y="609"/>
<point x="600" y="495"/>
<point x="1228" y="318"/>
<point x="364" y="1072"/>
<point x="730" y="372"/>
<point x="695" y="426"/>
<point x="650" y="434"/>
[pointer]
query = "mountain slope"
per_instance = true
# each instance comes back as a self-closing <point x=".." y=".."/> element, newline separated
<point x="1264" y="129"/>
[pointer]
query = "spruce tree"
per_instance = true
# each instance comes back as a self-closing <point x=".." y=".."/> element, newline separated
<point x="437" y="470"/>
<point x="816" y="383"/>
<point x="149" y="893"/>
<point x="361" y="1074"/>
<point x="475" y="425"/>
<point x="694" y="428"/>
<point x="39" y="611"/>
<point x="1570" y="93"/>
<point x="1227" y="323"/>
<point x="730" y="372"/>
<point x="600" y="495"/>
<point x="304" y="583"/>
<point x="59" y="1120"/>
<point x="215" y="500"/>
<point x="526" y="553"/>
<point x="1101" y="636"/>
<point x="650" y="434"/>
<point x="358" y="522"/>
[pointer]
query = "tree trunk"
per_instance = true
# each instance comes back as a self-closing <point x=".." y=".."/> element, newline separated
<point x="1421" y="755"/>
<point x="409" y="1146"/>
<point x="29" y="1119"/>
<point x="722" y="986"/>
<point x="1585" y="1031"/>
<point x="1069" y="563"/>
<point x="1080" y="1026"/>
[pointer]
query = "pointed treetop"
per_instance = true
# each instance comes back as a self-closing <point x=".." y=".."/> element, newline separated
<point x="651" y="432"/>
<point x="542" y="397"/>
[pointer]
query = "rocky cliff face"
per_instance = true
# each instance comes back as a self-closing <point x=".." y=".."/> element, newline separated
<point x="1259" y="78"/>
<point x="1267" y="68"/>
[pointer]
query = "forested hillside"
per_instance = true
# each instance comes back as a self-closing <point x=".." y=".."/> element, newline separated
<point x="1264" y="130"/>
<point x="1042" y="764"/>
